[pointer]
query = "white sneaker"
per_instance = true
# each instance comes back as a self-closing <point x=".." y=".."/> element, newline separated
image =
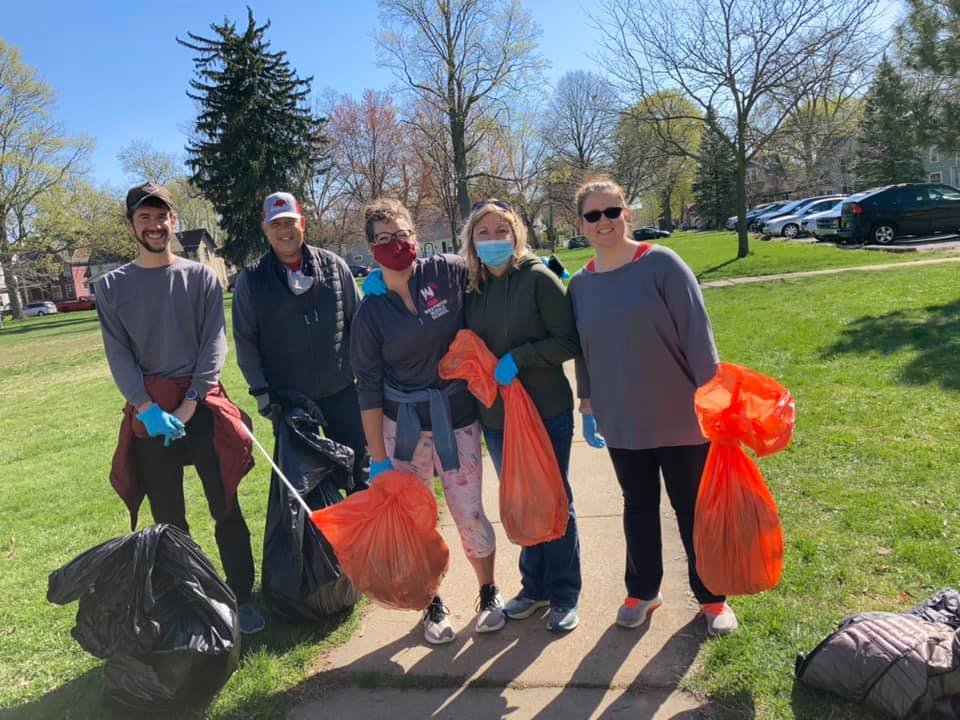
<point x="720" y="618"/>
<point x="437" y="629"/>
<point x="635" y="612"/>
<point x="490" y="608"/>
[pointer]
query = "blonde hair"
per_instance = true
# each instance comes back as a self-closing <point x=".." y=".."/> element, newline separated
<point x="601" y="183"/>
<point x="384" y="210"/>
<point x="477" y="271"/>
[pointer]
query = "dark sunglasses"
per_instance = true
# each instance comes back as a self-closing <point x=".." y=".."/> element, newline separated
<point x="610" y="213"/>
<point x="502" y="204"/>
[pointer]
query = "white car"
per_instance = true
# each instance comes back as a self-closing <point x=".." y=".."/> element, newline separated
<point x="43" y="307"/>
<point x="789" y="226"/>
<point x="823" y="224"/>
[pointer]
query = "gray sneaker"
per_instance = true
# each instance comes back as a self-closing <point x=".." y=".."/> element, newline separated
<point x="720" y="618"/>
<point x="490" y="608"/>
<point x="437" y="629"/>
<point x="520" y="608"/>
<point x="635" y="612"/>
<point x="563" y="619"/>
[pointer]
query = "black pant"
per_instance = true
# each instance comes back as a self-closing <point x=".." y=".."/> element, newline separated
<point x="342" y="413"/>
<point x="161" y="476"/>
<point x="638" y="472"/>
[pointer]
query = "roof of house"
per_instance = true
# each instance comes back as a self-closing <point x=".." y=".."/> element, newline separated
<point x="191" y="239"/>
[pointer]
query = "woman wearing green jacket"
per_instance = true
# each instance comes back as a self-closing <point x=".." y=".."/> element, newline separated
<point x="520" y="309"/>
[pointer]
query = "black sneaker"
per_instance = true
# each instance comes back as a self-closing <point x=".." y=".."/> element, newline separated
<point x="437" y="629"/>
<point x="251" y="621"/>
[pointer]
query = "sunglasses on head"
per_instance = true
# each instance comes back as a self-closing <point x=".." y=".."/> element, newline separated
<point x="610" y="213"/>
<point x="502" y="204"/>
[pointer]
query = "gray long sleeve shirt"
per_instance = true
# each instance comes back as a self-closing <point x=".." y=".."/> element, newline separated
<point x="647" y="346"/>
<point x="162" y="321"/>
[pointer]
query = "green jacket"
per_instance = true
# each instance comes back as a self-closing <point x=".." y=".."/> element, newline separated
<point x="527" y="312"/>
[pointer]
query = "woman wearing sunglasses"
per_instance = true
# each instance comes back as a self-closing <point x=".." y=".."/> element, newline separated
<point x="412" y="419"/>
<point x="520" y="309"/>
<point x="647" y="346"/>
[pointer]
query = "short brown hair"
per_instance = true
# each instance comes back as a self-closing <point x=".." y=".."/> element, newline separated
<point x="384" y="210"/>
<point x="600" y="183"/>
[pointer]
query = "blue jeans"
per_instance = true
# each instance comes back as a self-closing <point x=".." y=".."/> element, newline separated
<point x="550" y="570"/>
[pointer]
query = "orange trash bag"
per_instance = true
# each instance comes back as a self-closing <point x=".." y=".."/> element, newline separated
<point x="737" y="535"/>
<point x="533" y="500"/>
<point x="387" y="541"/>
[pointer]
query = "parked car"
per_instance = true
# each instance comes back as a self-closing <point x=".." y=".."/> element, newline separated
<point x="790" y="225"/>
<point x="650" y="233"/>
<point x="84" y="302"/>
<point x="359" y="270"/>
<point x="880" y="215"/>
<point x="787" y="208"/>
<point x="823" y="225"/>
<point x="43" y="307"/>
<point x="578" y="241"/>
<point x="731" y="223"/>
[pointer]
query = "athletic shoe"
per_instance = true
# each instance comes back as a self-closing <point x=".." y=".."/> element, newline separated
<point x="720" y="618"/>
<point x="251" y="621"/>
<point x="635" y="612"/>
<point x="563" y="619"/>
<point x="520" y="608"/>
<point x="437" y="629"/>
<point x="490" y="607"/>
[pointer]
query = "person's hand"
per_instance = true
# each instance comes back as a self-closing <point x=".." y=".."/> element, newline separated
<point x="506" y="370"/>
<point x="157" y="422"/>
<point x="378" y="466"/>
<point x="373" y="284"/>
<point x="590" y="434"/>
<point x="185" y="411"/>
<point x="268" y="409"/>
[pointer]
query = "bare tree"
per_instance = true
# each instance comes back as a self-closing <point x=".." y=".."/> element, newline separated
<point x="35" y="156"/>
<point x="463" y="58"/>
<point x="751" y="61"/>
<point x="144" y="163"/>
<point x="580" y="119"/>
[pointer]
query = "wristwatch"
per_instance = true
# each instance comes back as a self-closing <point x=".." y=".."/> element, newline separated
<point x="193" y="395"/>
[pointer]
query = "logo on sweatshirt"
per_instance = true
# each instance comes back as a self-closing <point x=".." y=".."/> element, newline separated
<point x="433" y="306"/>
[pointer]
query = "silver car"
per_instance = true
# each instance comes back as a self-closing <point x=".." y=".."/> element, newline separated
<point x="791" y="225"/>
<point x="43" y="307"/>
<point x="823" y="224"/>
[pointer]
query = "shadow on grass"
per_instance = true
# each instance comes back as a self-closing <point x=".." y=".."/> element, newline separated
<point x="36" y="324"/>
<point x="84" y="698"/>
<point x="705" y="274"/>
<point x="810" y="704"/>
<point x="932" y="333"/>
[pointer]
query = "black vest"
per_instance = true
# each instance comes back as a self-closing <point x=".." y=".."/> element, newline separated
<point x="304" y="339"/>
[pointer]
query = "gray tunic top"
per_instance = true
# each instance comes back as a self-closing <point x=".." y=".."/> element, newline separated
<point x="647" y="345"/>
<point x="162" y="321"/>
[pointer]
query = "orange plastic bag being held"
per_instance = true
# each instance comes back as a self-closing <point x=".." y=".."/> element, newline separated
<point x="533" y="501"/>
<point x="737" y="535"/>
<point x="387" y="541"/>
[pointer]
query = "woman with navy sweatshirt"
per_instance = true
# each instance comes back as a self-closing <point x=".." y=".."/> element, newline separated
<point x="413" y="419"/>
<point x="520" y="309"/>
<point x="647" y="346"/>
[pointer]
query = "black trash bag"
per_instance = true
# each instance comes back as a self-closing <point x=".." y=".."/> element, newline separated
<point x="301" y="577"/>
<point x="152" y="606"/>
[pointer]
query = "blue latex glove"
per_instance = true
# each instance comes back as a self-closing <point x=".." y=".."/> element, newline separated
<point x="163" y="423"/>
<point x="506" y="370"/>
<point x="594" y="439"/>
<point x="374" y="284"/>
<point x="377" y="467"/>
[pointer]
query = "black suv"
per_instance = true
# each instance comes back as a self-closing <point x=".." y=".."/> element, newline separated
<point x="880" y="215"/>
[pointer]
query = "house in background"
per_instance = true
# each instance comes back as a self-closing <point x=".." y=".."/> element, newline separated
<point x="941" y="167"/>
<point x="201" y="246"/>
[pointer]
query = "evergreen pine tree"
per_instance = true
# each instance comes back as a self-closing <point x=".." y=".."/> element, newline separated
<point x="255" y="133"/>
<point x="714" y="187"/>
<point x="888" y="139"/>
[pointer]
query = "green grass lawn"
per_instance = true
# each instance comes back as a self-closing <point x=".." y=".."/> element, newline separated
<point x="867" y="491"/>
<point x="713" y="255"/>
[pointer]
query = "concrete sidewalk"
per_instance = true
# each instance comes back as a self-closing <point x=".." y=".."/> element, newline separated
<point x="599" y="670"/>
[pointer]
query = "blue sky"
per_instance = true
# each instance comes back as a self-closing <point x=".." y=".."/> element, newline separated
<point x="120" y="74"/>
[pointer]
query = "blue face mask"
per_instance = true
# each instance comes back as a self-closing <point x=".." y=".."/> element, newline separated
<point x="495" y="253"/>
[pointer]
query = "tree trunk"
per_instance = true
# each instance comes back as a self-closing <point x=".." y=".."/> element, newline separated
<point x="666" y="212"/>
<point x="743" y="241"/>
<point x="457" y="134"/>
<point x="6" y="263"/>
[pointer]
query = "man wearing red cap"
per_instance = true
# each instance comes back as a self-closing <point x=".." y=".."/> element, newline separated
<point x="292" y="313"/>
<point x="163" y="333"/>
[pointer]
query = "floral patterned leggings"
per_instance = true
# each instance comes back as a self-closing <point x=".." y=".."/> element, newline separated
<point x="461" y="488"/>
